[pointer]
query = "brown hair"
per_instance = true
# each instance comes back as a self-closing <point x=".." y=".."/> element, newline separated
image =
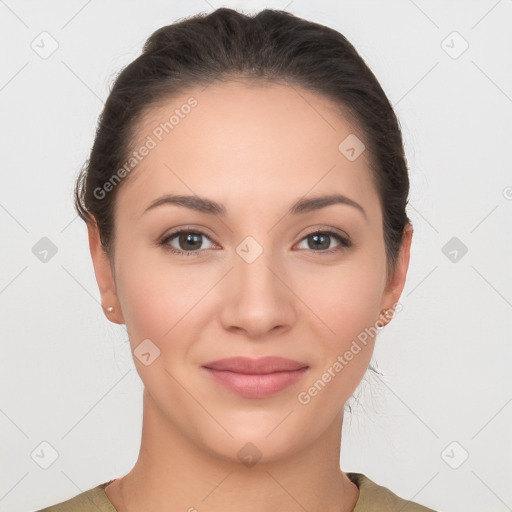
<point x="271" y="45"/>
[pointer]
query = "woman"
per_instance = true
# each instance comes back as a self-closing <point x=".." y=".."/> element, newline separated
<point x="245" y="200"/>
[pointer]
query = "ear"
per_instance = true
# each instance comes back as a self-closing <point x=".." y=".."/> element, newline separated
<point x="104" y="275"/>
<point x="396" y="283"/>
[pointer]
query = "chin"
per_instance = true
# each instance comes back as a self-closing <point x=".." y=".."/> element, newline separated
<point x="258" y="437"/>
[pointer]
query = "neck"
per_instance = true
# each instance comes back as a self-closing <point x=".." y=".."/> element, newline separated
<point x="173" y="473"/>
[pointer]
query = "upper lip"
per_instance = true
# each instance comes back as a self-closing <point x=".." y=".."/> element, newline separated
<point x="263" y="365"/>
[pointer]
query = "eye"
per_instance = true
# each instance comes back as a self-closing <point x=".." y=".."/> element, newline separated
<point x="322" y="240"/>
<point x="188" y="241"/>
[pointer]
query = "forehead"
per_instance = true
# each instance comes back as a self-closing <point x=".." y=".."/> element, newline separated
<point x="261" y="142"/>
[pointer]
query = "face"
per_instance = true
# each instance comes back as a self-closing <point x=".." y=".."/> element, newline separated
<point x="253" y="280"/>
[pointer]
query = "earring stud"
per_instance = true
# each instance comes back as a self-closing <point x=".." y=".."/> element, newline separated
<point x="385" y="314"/>
<point x="110" y="309"/>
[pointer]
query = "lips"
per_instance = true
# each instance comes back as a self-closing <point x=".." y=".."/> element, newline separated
<point x="261" y="366"/>
<point x="256" y="378"/>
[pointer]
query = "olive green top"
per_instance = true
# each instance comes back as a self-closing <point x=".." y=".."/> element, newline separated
<point x="372" y="498"/>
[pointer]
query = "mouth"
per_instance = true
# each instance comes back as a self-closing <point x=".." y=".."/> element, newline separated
<point x="256" y="378"/>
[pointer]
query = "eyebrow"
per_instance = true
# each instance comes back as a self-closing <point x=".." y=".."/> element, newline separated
<point x="204" y="205"/>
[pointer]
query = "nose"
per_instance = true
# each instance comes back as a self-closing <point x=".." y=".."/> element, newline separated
<point x="257" y="299"/>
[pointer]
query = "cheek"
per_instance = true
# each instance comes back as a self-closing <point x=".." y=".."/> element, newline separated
<point x="159" y="298"/>
<point x="345" y="298"/>
<point x="346" y="305"/>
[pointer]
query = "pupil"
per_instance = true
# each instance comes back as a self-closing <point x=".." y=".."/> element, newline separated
<point x="188" y="238"/>
<point x="316" y="237"/>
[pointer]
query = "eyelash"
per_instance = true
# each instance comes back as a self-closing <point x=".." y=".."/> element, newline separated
<point x="345" y="243"/>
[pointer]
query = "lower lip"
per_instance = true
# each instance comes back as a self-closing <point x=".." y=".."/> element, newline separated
<point x="256" y="385"/>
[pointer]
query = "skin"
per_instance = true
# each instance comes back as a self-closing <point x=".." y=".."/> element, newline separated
<point x="255" y="148"/>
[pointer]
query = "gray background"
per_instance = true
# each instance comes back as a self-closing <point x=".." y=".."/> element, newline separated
<point x="67" y="374"/>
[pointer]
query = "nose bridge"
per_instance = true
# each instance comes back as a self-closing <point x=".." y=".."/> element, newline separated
<point x="252" y="263"/>
<point x="258" y="300"/>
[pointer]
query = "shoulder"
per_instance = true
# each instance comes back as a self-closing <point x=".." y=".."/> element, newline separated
<point x="376" y="498"/>
<point x="93" y="500"/>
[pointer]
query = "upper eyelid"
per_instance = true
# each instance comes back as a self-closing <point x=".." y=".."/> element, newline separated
<point x="173" y="234"/>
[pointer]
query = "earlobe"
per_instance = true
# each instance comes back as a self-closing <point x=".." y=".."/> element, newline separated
<point x="396" y="284"/>
<point x="104" y="275"/>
